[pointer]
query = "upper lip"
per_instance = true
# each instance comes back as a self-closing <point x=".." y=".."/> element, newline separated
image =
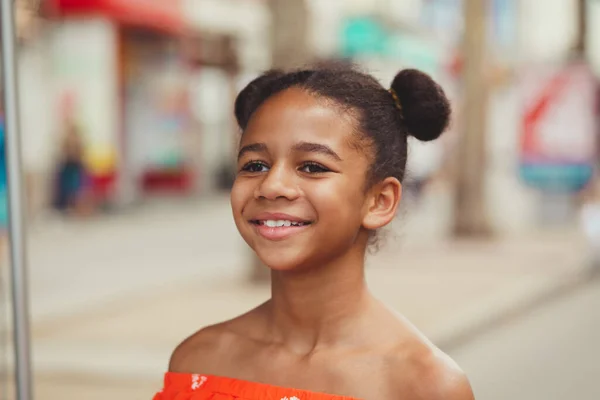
<point x="265" y="216"/>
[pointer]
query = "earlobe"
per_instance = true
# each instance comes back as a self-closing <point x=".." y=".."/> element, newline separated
<point x="383" y="204"/>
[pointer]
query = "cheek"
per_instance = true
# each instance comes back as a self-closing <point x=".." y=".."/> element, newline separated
<point x="341" y="202"/>
<point x="240" y="193"/>
<point x="239" y="200"/>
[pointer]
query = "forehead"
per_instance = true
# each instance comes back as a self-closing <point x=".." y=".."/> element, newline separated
<point x="296" y="115"/>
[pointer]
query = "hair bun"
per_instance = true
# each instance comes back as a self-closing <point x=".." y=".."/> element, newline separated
<point x="425" y="107"/>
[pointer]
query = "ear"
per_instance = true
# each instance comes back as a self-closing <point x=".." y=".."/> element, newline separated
<point x="382" y="203"/>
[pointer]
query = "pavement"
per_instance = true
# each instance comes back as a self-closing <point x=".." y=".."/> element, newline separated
<point x="550" y="353"/>
<point x="110" y="298"/>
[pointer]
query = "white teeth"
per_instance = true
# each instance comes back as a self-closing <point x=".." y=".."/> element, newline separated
<point x="279" y="223"/>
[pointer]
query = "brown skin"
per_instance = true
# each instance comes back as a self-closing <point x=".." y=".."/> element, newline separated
<point x="322" y="330"/>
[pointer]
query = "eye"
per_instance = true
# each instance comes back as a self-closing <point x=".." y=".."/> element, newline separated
<point x="313" y="168"/>
<point x="255" y="167"/>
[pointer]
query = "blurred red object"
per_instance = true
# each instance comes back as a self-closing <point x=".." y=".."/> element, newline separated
<point x="176" y="181"/>
<point x="456" y="65"/>
<point x="163" y="15"/>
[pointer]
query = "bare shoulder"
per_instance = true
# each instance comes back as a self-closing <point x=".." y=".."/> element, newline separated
<point x="215" y="349"/>
<point x="200" y="350"/>
<point x="438" y="377"/>
<point x="423" y="372"/>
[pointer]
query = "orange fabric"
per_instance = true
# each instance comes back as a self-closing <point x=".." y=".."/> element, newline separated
<point x="206" y="387"/>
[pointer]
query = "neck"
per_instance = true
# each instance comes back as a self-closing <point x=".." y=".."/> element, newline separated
<point x="313" y="307"/>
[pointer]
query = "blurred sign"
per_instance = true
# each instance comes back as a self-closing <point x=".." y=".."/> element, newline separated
<point x="558" y="139"/>
<point x="365" y="37"/>
<point x="162" y="15"/>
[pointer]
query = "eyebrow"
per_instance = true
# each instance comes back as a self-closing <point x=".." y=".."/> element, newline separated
<point x="303" y="147"/>
<point x="252" y="148"/>
<point x="308" y="147"/>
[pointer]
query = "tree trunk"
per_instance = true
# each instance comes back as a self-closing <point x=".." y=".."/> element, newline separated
<point x="470" y="217"/>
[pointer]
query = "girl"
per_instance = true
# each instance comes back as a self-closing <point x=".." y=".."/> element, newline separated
<point x="320" y="166"/>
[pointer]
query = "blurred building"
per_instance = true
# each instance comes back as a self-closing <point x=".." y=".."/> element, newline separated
<point x="151" y="83"/>
<point x="524" y="36"/>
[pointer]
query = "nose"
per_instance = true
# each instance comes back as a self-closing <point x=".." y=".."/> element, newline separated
<point x="278" y="182"/>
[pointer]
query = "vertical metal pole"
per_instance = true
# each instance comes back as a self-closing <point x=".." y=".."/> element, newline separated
<point x="15" y="206"/>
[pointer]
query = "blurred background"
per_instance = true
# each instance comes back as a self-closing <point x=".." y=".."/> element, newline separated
<point x="128" y="146"/>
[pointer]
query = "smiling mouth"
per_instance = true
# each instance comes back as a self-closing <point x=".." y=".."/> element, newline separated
<point x="281" y="223"/>
<point x="279" y="229"/>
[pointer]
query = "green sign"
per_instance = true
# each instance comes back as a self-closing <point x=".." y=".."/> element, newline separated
<point x="366" y="37"/>
<point x="363" y="36"/>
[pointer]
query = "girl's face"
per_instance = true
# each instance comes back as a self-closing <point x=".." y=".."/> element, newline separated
<point x="298" y="199"/>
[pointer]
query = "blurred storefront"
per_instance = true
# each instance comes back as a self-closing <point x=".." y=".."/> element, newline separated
<point x="156" y="116"/>
<point x="120" y="77"/>
<point x="150" y="84"/>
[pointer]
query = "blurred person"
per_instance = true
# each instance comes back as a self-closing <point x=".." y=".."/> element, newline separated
<point x="71" y="181"/>
<point x="321" y="161"/>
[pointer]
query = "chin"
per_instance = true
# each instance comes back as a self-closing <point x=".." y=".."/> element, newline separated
<point x="286" y="255"/>
<point x="281" y="259"/>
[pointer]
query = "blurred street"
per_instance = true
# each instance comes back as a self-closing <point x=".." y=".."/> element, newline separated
<point x="550" y="353"/>
<point x="108" y="311"/>
<point x="78" y="264"/>
<point x="129" y="138"/>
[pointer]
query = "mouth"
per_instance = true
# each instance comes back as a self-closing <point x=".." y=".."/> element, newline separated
<point x="279" y="223"/>
<point x="279" y="228"/>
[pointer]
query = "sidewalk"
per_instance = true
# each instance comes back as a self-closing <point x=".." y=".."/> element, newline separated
<point x="449" y="292"/>
<point x="112" y="335"/>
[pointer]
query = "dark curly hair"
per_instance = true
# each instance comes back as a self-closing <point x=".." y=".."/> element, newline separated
<point x="415" y="105"/>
